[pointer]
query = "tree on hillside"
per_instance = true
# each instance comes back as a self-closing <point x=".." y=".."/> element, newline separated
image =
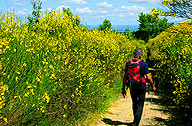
<point x="37" y="5"/>
<point x="69" y="13"/>
<point x="127" y="30"/>
<point x="106" y="24"/>
<point x="128" y="33"/>
<point x="179" y="8"/>
<point x="150" y="26"/>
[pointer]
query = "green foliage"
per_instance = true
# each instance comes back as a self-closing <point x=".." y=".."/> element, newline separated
<point x="59" y="72"/>
<point x="179" y="8"/>
<point x="70" y="14"/>
<point x="127" y="30"/>
<point x="172" y="53"/>
<point x="129" y="34"/>
<point x="106" y="24"/>
<point x="37" y="5"/>
<point x="150" y="26"/>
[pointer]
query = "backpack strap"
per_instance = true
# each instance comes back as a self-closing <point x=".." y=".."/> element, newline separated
<point x="139" y="60"/>
<point x="131" y="61"/>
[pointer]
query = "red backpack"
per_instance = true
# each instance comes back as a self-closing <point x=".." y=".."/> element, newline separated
<point x="134" y="71"/>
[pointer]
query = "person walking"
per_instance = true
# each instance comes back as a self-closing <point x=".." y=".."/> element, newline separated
<point x="134" y="77"/>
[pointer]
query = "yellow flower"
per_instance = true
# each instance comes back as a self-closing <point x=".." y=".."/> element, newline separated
<point x="52" y="76"/>
<point x="173" y="14"/>
<point x="5" y="119"/>
<point x="16" y="79"/>
<point x="31" y="90"/>
<point x="26" y="94"/>
<point x="38" y="79"/>
<point x="29" y="86"/>
<point x="5" y="87"/>
<point x="24" y="64"/>
<point x="64" y="115"/>
<point x="47" y="99"/>
<point x="157" y="19"/>
<point x="72" y="95"/>
<point x="65" y="107"/>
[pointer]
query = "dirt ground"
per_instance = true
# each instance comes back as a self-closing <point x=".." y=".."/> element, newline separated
<point x="120" y="113"/>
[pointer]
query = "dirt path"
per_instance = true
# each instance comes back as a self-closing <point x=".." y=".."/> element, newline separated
<point x="120" y="113"/>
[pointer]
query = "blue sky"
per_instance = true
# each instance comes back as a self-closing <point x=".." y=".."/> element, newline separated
<point x="91" y="12"/>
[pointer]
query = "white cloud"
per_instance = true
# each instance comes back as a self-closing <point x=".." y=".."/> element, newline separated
<point x="117" y="10"/>
<point x="60" y="8"/>
<point x="131" y="14"/>
<point x="128" y="12"/>
<point x="135" y="8"/>
<point x="49" y="9"/>
<point x="146" y="1"/>
<point x="24" y="9"/>
<point x="121" y="15"/>
<point x="13" y="0"/>
<point x="20" y="12"/>
<point x="102" y="11"/>
<point x="19" y="4"/>
<point x="79" y="2"/>
<point x="100" y="16"/>
<point x="111" y="15"/>
<point x="83" y="10"/>
<point x="104" y="4"/>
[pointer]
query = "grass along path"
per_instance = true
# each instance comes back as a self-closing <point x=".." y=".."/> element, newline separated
<point x="120" y="113"/>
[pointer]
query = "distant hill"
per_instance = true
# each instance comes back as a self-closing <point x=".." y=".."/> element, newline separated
<point x="119" y="28"/>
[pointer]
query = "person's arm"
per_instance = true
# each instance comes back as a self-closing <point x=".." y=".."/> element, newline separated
<point x="124" y="80"/>
<point x="151" y="81"/>
<point x="123" y="87"/>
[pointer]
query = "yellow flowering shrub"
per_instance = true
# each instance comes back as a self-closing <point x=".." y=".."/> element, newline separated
<point x="175" y="8"/>
<point x="3" y="89"/>
<point x="56" y="70"/>
<point x="171" y="52"/>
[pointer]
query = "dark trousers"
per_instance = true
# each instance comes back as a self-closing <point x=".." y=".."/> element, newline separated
<point x="138" y="98"/>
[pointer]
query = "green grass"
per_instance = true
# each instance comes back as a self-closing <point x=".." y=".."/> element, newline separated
<point x="112" y="95"/>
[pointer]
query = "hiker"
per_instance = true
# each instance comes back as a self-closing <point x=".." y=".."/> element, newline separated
<point x="135" y="70"/>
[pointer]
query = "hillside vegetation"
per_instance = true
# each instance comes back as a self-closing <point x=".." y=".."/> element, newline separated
<point x="55" y="72"/>
<point x="171" y="51"/>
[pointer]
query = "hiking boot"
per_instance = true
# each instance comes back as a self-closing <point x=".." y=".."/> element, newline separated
<point x="135" y="124"/>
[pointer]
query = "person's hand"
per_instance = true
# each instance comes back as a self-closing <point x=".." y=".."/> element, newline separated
<point x="154" y="88"/>
<point x="123" y="93"/>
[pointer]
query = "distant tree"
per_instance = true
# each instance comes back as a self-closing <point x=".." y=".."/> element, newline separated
<point x="150" y="26"/>
<point x="37" y="5"/>
<point x="106" y="24"/>
<point x="127" y="30"/>
<point x="129" y="33"/>
<point x="178" y="8"/>
<point x="69" y="13"/>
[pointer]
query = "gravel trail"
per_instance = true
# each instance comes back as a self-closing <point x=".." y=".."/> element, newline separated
<point x="120" y="113"/>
